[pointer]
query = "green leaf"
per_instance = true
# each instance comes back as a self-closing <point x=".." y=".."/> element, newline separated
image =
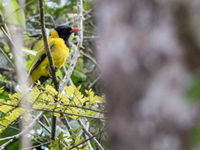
<point x="54" y="145"/>
<point x="78" y="76"/>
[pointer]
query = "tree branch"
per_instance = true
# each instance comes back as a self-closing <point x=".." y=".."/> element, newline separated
<point x="97" y="79"/>
<point x="90" y="135"/>
<point x="7" y="69"/>
<point x="72" y="114"/>
<point x="80" y="21"/>
<point x="46" y="45"/>
<point x="8" y="59"/>
<point x="75" y="146"/>
<point x="51" y="63"/>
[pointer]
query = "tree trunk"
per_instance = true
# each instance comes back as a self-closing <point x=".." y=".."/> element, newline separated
<point x="148" y="55"/>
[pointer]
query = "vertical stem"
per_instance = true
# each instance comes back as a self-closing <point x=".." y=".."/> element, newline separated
<point x="52" y="67"/>
<point x="80" y="22"/>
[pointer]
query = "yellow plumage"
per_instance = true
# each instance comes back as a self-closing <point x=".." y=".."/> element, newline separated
<point x="59" y="50"/>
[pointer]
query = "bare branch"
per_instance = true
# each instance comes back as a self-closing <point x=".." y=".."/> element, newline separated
<point x="81" y="143"/>
<point x="6" y="144"/>
<point x="90" y="135"/>
<point x="51" y="63"/>
<point x="72" y="114"/>
<point x="7" y="69"/>
<point x="80" y="21"/>
<point x="97" y="79"/>
<point x="90" y="58"/>
<point x="75" y="146"/>
<point x="8" y="59"/>
<point x="47" y="48"/>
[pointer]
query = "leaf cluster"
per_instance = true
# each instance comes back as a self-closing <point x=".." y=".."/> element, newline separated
<point x="71" y="102"/>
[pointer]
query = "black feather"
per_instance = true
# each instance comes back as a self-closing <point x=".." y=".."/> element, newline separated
<point x="64" y="32"/>
<point x="38" y="63"/>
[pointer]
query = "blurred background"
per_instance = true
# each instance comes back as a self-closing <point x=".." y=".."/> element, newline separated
<point x="149" y="52"/>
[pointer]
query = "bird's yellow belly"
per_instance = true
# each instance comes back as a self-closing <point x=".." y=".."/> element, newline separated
<point x="59" y="58"/>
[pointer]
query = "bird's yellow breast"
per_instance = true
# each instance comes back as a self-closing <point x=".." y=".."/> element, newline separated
<point x="59" y="52"/>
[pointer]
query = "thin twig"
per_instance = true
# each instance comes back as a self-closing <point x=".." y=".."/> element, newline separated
<point x="90" y="135"/>
<point x="80" y="21"/>
<point x="17" y="136"/>
<point x="82" y="107"/>
<point x="32" y="124"/>
<point x="8" y="59"/>
<point x="8" y="37"/>
<point x="3" y="24"/>
<point x="5" y="31"/>
<point x="51" y="63"/>
<point x="72" y="114"/>
<point x="92" y="59"/>
<point x="45" y="127"/>
<point x="10" y="127"/>
<point x="97" y="79"/>
<point x="65" y="121"/>
<point x="75" y="146"/>
<point x="2" y="147"/>
<point x="36" y="16"/>
<point x="11" y="70"/>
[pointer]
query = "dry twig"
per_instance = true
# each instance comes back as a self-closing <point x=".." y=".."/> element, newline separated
<point x="51" y="63"/>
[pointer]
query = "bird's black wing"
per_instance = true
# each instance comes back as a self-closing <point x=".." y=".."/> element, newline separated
<point x="42" y="57"/>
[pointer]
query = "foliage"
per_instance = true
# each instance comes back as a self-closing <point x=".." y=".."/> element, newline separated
<point x="72" y="102"/>
<point x="78" y="102"/>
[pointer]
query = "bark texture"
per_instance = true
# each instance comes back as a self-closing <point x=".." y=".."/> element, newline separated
<point x="148" y="53"/>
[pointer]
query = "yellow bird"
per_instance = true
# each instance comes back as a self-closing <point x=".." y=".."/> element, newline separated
<point x="59" y="45"/>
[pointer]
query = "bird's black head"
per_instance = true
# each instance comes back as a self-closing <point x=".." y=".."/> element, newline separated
<point x="65" y="31"/>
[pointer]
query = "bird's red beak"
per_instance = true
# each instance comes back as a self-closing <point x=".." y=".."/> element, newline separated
<point x="75" y="30"/>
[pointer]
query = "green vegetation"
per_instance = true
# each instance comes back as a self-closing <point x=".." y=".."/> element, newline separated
<point x="79" y="108"/>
